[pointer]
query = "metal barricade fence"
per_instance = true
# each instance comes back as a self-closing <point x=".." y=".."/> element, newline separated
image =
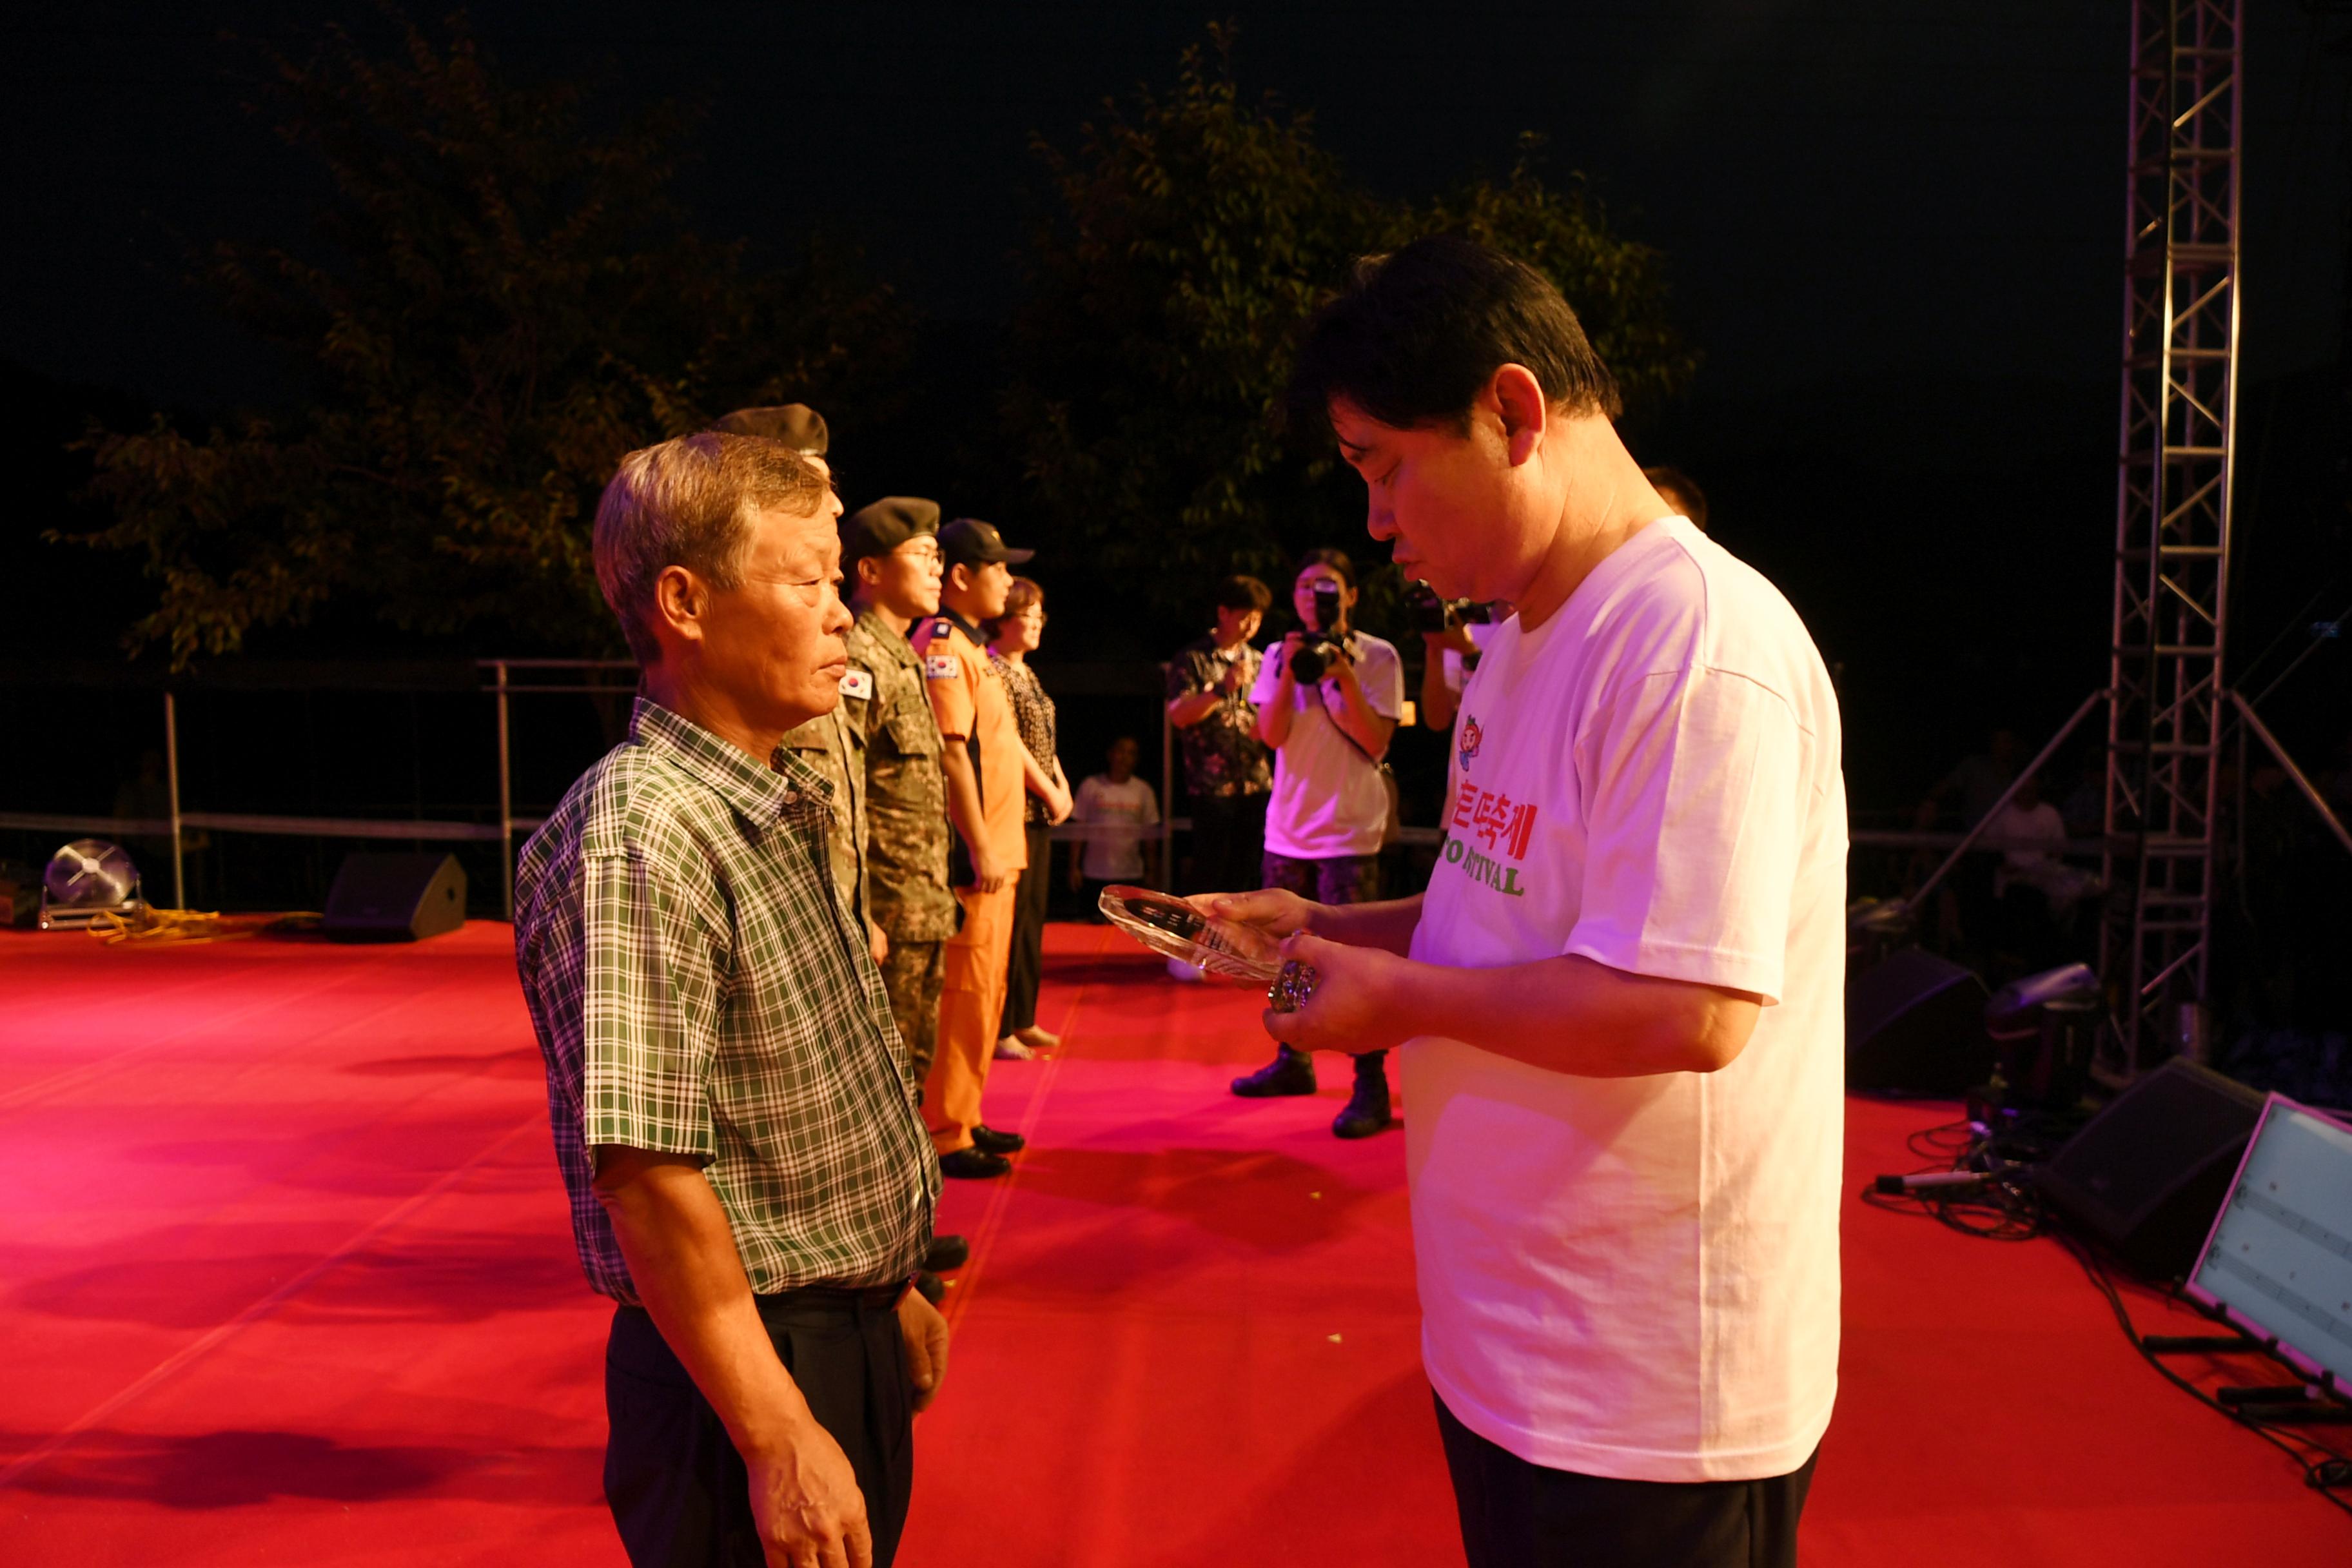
<point x="501" y="679"/>
<point x="497" y="676"/>
<point x="601" y="678"/>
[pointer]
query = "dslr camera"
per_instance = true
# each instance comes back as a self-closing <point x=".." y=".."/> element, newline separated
<point x="1310" y="661"/>
<point x="1425" y="612"/>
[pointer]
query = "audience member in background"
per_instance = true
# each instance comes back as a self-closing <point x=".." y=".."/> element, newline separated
<point x="1013" y="638"/>
<point x="828" y="742"/>
<point x="746" y="1172"/>
<point x="2031" y="837"/>
<point x="2082" y="806"/>
<point x="1680" y="491"/>
<point x="1965" y="909"/>
<point x="1331" y="805"/>
<point x="2336" y="784"/>
<point x="1116" y="809"/>
<point x="985" y="764"/>
<point x="890" y="559"/>
<point x="1227" y="769"/>
<point x="1976" y="784"/>
<point x="148" y="798"/>
<point x="1228" y="772"/>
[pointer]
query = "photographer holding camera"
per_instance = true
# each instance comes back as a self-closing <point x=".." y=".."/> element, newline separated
<point x="1228" y="772"/>
<point x="1328" y="700"/>
<point x="1453" y="632"/>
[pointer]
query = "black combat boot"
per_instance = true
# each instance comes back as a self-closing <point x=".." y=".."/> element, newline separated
<point x="1367" y="1107"/>
<point x="1291" y="1072"/>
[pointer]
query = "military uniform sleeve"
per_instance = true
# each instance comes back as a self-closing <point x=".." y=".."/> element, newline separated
<point x="859" y="685"/>
<point x="810" y="737"/>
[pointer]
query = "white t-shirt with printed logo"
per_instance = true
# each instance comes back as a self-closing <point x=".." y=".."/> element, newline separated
<point x="1329" y="798"/>
<point x="1638" y="1276"/>
<point x="1114" y="817"/>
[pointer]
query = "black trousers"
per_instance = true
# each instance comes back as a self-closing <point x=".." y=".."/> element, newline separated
<point x="1519" y="1515"/>
<point x="1228" y="837"/>
<point x="1025" y="969"/>
<point x="673" y="1480"/>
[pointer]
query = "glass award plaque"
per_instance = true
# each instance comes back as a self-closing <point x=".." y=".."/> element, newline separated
<point x="1174" y="929"/>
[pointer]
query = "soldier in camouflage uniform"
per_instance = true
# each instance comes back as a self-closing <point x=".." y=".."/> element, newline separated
<point x="891" y="564"/>
<point x="831" y="742"/>
<point x="833" y="746"/>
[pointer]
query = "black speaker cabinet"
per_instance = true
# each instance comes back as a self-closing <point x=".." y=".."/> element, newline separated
<point x="2148" y="1174"/>
<point x="1914" y="1025"/>
<point x="395" y="897"/>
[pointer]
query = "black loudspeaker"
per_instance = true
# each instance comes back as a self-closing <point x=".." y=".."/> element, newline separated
<point x="395" y="897"/>
<point x="1914" y="1025"/>
<point x="2148" y="1174"/>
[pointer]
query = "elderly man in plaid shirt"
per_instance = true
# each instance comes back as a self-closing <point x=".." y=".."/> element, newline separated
<point x="748" y="1177"/>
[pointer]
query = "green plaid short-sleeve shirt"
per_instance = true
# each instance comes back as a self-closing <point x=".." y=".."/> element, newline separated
<point x="698" y="989"/>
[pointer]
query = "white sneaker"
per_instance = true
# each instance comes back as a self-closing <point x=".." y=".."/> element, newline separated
<point x="1188" y="973"/>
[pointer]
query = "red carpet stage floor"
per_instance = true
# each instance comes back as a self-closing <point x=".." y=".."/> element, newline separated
<point x="287" y="1280"/>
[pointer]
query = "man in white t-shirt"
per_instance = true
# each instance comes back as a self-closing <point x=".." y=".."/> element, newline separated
<point x="1328" y="698"/>
<point x="1620" y="999"/>
<point x="1113" y="810"/>
<point x="2031" y="837"/>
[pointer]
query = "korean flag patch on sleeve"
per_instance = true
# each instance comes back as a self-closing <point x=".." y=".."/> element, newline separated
<point x="858" y="683"/>
<point x="943" y="667"/>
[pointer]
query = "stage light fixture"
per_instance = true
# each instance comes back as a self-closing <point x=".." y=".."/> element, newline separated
<point x="85" y="879"/>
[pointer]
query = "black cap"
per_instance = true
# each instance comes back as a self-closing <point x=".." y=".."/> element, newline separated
<point x="796" y="424"/>
<point x="884" y="525"/>
<point x="968" y="542"/>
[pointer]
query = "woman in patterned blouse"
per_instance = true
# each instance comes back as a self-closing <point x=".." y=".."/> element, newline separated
<point x="1013" y="638"/>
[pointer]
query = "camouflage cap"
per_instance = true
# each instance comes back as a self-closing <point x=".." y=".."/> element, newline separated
<point x="880" y="527"/>
<point x="796" y="424"/>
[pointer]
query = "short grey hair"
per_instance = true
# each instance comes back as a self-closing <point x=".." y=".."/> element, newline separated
<point x="685" y="503"/>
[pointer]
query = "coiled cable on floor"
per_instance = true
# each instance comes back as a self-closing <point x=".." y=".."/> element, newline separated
<point x="148" y="926"/>
<point x="2005" y="1205"/>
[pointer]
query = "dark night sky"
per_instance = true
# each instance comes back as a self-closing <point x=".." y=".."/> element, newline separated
<point x="1845" y="188"/>
<point x="1894" y="230"/>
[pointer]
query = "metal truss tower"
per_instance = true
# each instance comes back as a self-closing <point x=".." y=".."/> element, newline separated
<point x="2172" y="523"/>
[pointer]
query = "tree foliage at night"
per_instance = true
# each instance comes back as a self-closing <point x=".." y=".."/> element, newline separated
<point x="1617" y="285"/>
<point x="500" y="299"/>
<point x="500" y="295"/>
<point x="1191" y="234"/>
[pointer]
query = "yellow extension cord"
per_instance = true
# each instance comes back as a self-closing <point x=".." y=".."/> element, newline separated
<point x="150" y="926"/>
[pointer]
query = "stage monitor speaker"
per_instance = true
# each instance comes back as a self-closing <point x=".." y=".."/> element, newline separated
<point x="1914" y="1025"/>
<point x="2147" y="1173"/>
<point x="396" y="898"/>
